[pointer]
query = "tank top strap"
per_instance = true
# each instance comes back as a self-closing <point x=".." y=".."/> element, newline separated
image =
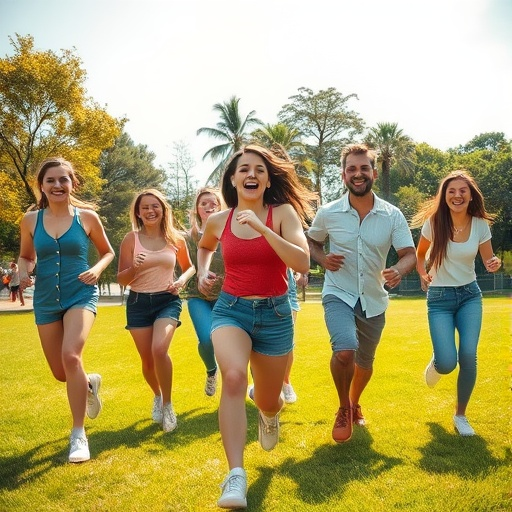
<point x="77" y="217"/>
<point x="137" y="247"/>
<point x="227" y="227"/>
<point x="270" y="222"/>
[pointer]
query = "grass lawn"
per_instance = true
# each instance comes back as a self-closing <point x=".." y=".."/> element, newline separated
<point x="408" y="457"/>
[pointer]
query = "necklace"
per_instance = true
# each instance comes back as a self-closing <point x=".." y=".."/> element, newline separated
<point x="458" y="231"/>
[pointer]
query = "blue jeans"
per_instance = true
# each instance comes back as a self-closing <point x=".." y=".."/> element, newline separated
<point x="453" y="309"/>
<point x="200" y="312"/>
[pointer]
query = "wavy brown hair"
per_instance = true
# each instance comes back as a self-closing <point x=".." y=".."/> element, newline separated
<point x="285" y="185"/>
<point x="438" y="211"/>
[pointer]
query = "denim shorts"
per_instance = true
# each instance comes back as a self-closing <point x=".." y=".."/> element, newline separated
<point x="349" y="329"/>
<point x="268" y="321"/>
<point x="143" y="309"/>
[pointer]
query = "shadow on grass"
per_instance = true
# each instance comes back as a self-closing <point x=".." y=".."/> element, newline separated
<point x="20" y="469"/>
<point x="329" y="470"/>
<point x="449" y="452"/>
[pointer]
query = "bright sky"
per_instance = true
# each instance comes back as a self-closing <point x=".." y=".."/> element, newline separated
<point x="441" y="69"/>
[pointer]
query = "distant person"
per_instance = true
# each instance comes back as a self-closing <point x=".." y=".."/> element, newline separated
<point x="208" y="201"/>
<point x="58" y="236"/>
<point x="14" y="285"/>
<point x="261" y="235"/>
<point x="455" y="228"/>
<point x="147" y="262"/>
<point x="295" y="279"/>
<point x="360" y="228"/>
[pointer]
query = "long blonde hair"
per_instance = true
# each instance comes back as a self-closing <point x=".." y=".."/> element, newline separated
<point x="170" y="233"/>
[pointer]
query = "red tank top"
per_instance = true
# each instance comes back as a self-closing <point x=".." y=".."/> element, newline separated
<point x="252" y="266"/>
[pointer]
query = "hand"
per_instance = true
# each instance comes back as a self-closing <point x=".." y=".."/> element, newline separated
<point x="301" y="279"/>
<point x="89" y="277"/>
<point x="425" y="281"/>
<point x="250" y="218"/>
<point x="493" y="264"/>
<point x="139" y="260"/>
<point x="176" y="287"/>
<point x="333" y="262"/>
<point x="205" y="283"/>
<point x="392" y="277"/>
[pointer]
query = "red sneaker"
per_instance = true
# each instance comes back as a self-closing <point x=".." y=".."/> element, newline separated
<point x="342" y="430"/>
<point x="357" y="416"/>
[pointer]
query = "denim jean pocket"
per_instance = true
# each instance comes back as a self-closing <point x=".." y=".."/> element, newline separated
<point x="283" y="309"/>
<point x="473" y="289"/>
<point x="132" y="299"/>
<point x="435" y="293"/>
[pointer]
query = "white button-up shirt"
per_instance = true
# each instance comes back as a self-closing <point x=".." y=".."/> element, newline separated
<point x="365" y="246"/>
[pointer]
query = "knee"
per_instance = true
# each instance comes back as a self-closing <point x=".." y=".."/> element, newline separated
<point x="344" y="358"/>
<point x="234" y="382"/>
<point x="71" y="361"/>
<point x="445" y="367"/>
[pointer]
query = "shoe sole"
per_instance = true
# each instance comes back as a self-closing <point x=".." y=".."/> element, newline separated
<point x="96" y="385"/>
<point x="75" y="460"/>
<point x="232" y="503"/>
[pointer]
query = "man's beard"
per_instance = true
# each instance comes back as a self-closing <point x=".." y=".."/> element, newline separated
<point x="359" y="190"/>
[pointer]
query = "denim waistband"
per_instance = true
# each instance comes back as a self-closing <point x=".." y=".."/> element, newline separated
<point x="254" y="303"/>
<point x="152" y="294"/>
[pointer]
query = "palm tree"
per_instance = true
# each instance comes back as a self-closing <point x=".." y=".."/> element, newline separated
<point x="393" y="147"/>
<point x="231" y="130"/>
<point x="288" y="138"/>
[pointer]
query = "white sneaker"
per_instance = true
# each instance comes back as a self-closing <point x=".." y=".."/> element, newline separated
<point x="432" y="377"/>
<point x="268" y="431"/>
<point x="79" y="449"/>
<point x="462" y="426"/>
<point x="93" y="398"/>
<point x="234" y="490"/>
<point x="169" y="420"/>
<point x="210" y="386"/>
<point x="289" y="394"/>
<point x="156" y="413"/>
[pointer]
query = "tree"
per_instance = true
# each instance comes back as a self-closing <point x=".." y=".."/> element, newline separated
<point x="44" y="111"/>
<point x="181" y="186"/>
<point x="126" y="169"/>
<point x="231" y="130"/>
<point x="326" y="125"/>
<point x="393" y="147"/>
<point x="492" y="141"/>
<point x="290" y="139"/>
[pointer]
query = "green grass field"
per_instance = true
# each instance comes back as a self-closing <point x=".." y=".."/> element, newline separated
<point x="408" y="457"/>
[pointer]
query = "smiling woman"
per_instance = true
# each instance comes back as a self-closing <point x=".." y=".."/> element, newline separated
<point x="261" y="235"/>
<point x="58" y="235"/>
<point x="147" y="261"/>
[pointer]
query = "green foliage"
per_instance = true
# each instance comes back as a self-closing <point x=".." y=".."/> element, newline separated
<point x="407" y="458"/>
<point x="326" y="124"/>
<point x="393" y="147"/>
<point x="44" y="111"/>
<point x="232" y="131"/>
<point x="126" y="169"/>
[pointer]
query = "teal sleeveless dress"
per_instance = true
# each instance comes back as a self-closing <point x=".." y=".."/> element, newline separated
<point x="59" y="262"/>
